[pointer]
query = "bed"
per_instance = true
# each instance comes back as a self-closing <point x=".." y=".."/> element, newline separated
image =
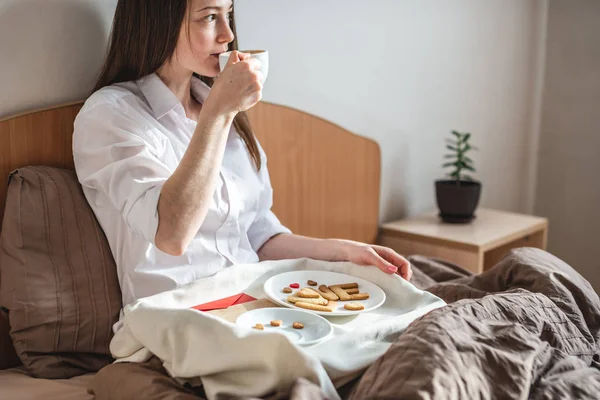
<point x="529" y="327"/>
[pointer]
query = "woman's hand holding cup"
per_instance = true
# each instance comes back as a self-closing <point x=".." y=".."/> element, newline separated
<point x="261" y="55"/>
<point x="238" y="86"/>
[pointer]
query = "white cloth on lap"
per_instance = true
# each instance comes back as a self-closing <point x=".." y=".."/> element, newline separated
<point x="245" y="362"/>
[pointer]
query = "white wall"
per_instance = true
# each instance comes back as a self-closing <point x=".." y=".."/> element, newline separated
<point x="405" y="73"/>
<point x="50" y="50"/>
<point x="568" y="189"/>
<point x="401" y="72"/>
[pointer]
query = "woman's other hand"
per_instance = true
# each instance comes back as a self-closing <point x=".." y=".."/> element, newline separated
<point x="382" y="257"/>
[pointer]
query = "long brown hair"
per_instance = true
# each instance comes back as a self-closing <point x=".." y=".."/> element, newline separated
<point x="143" y="37"/>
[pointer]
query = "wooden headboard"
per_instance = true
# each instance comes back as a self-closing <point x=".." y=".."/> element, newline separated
<point x="325" y="179"/>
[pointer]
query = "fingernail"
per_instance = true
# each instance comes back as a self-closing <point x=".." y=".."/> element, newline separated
<point x="392" y="269"/>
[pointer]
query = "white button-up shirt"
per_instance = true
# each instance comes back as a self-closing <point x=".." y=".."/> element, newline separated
<point x="128" y="140"/>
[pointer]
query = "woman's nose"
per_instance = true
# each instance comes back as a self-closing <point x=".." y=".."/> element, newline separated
<point x="226" y="34"/>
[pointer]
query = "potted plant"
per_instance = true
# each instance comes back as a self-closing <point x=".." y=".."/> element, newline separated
<point x="458" y="197"/>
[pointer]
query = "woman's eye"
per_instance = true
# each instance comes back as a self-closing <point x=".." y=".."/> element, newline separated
<point x="213" y="17"/>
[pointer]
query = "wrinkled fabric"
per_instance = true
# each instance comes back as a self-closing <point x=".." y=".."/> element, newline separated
<point x="150" y="381"/>
<point x="245" y="362"/>
<point x="527" y="328"/>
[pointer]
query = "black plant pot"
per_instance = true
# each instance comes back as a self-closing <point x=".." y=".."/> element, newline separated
<point x="457" y="200"/>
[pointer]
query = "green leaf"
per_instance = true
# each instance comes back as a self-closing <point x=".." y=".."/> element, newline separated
<point x="450" y="156"/>
<point x="466" y="137"/>
<point x="453" y="142"/>
<point x="457" y="134"/>
<point x="469" y="168"/>
<point x="467" y="159"/>
<point x="448" y="165"/>
<point x="451" y="148"/>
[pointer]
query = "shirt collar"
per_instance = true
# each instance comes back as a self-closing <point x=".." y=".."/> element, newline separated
<point x="162" y="100"/>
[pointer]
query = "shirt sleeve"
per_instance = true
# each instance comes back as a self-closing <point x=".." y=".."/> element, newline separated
<point x="118" y="163"/>
<point x="266" y="224"/>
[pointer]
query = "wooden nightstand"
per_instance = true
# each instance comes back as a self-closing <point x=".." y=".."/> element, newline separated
<point x="476" y="246"/>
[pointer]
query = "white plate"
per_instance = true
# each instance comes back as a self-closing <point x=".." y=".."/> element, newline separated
<point x="315" y="328"/>
<point x="273" y="287"/>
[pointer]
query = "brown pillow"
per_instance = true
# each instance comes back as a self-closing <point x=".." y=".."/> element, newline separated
<point x="58" y="277"/>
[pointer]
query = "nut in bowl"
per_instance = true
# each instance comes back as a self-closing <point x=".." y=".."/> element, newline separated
<point x="329" y="294"/>
<point x="300" y="327"/>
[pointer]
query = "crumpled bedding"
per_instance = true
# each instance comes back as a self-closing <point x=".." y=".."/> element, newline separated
<point x="527" y="328"/>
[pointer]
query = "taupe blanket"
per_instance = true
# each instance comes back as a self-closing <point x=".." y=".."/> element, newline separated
<point x="527" y="328"/>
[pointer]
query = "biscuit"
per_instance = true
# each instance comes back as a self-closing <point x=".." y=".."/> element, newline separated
<point x="313" y="307"/>
<point x="332" y="304"/>
<point x="345" y="296"/>
<point x="352" y="291"/>
<point x="259" y="327"/>
<point x="307" y="293"/>
<point x="327" y="293"/>
<point x="297" y="325"/>
<point x="287" y="290"/>
<point x="277" y="322"/>
<point x="340" y="292"/>
<point x="319" y="301"/>
<point x="312" y="283"/>
<point x="348" y="285"/>
<point x="354" y="306"/>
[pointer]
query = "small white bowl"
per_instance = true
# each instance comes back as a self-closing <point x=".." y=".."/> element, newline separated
<point x="316" y="328"/>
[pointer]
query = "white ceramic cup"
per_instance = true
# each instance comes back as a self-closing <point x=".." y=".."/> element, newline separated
<point x="261" y="55"/>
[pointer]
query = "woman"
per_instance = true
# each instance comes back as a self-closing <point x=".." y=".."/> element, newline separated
<point x="168" y="161"/>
